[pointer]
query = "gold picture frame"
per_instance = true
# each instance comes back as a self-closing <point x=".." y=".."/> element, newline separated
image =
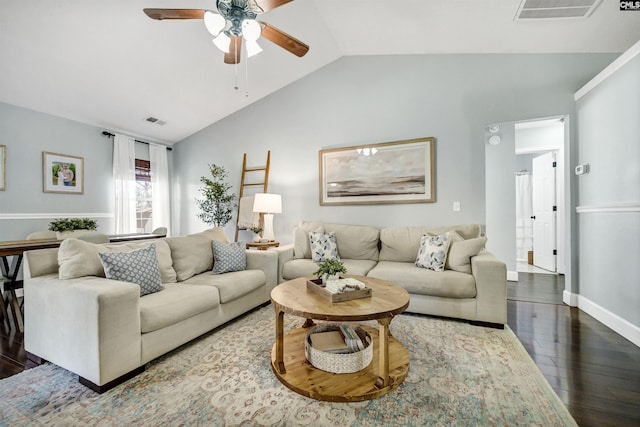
<point x="389" y="172"/>
<point x="62" y="173"/>
<point x="3" y="167"/>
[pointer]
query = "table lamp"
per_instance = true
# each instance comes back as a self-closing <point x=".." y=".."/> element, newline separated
<point x="267" y="204"/>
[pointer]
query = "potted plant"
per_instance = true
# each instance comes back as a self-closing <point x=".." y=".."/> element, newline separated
<point x="257" y="230"/>
<point x="330" y="269"/>
<point x="67" y="227"/>
<point x="217" y="205"/>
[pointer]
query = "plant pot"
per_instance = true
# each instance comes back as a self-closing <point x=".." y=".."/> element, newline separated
<point x="61" y="235"/>
<point x="326" y="277"/>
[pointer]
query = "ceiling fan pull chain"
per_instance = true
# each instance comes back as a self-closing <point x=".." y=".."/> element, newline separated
<point x="246" y="73"/>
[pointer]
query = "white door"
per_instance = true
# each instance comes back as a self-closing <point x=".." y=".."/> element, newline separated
<point x="544" y="211"/>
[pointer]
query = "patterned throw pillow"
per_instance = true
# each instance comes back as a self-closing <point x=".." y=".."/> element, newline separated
<point x="228" y="257"/>
<point x="433" y="251"/>
<point x="140" y="267"/>
<point x="323" y="246"/>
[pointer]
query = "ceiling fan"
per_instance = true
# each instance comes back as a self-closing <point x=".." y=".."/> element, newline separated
<point x="234" y="21"/>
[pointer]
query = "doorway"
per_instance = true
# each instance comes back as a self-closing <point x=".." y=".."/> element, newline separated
<point x="539" y="149"/>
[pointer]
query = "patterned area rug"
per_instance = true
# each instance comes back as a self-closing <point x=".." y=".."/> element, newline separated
<point x="460" y="375"/>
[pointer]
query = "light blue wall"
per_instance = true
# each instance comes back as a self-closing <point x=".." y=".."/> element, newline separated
<point x="371" y="99"/>
<point x="609" y="242"/>
<point x="27" y="134"/>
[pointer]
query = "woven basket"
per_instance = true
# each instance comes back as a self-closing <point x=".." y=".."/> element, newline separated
<point x="339" y="363"/>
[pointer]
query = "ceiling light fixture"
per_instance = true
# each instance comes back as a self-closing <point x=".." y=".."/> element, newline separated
<point x="236" y="18"/>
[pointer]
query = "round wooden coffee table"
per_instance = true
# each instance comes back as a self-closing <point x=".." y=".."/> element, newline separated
<point x="288" y="359"/>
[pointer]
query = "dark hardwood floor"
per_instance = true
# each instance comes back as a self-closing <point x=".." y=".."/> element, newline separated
<point x="594" y="371"/>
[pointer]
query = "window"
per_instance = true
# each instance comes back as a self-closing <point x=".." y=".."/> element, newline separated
<point x="143" y="196"/>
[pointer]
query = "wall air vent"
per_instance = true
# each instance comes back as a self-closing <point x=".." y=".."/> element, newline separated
<point x="555" y="9"/>
<point x="155" y="121"/>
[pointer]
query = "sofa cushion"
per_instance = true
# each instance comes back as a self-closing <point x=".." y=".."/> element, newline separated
<point x="193" y="254"/>
<point x="232" y="285"/>
<point x="177" y="302"/>
<point x="305" y="267"/>
<point x="356" y="241"/>
<point x="461" y="251"/>
<point x="422" y="281"/>
<point x="228" y="257"/>
<point x="402" y="243"/>
<point x="301" y="247"/>
<point x="433" y="252"/>
<point x="139" y="267"/>
<point x="323" y="246"/>
<point x="77" y="258"/>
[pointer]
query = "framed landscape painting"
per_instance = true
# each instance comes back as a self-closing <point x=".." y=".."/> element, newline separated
<point x="62" y="173"/>
<point x="390" y="172"/>
<point x="3" y="167"/>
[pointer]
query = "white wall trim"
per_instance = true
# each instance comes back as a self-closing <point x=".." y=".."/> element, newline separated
<point x="55" y="215"/>
<point x="512" y="276"/>
<point x="604" y="316"/>
<point x="611" y="68"/>
<point x="531" y="150"/>
<point x="614" y="207"/>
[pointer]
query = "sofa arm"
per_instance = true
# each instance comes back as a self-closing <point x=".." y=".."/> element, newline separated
<point x="490" y="275"/>
<point x="267" y="261"/>
<point x="89" y="325"/>
<point x="285" y="253"/>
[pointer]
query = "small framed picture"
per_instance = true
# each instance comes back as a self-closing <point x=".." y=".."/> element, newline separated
<point x="3" y="167"/>
<point x="62" y="173"/>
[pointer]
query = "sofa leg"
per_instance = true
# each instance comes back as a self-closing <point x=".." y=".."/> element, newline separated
<point x="33" y="360"/>
<point x="111" y="384"/>
<point x="486" y="324"/>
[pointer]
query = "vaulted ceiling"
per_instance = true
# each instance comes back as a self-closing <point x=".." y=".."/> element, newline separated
<point x="105" y="63"/>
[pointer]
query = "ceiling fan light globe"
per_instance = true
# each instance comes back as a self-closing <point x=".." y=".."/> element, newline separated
<point x="251" y="29"/>
<point x="253" y="48"/>
<point x="214" y="22"/>
<point x="222" y="42"/>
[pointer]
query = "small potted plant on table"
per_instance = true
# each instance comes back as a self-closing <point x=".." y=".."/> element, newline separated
<point x="329" y="270"/>
<point x="68" y="227"/>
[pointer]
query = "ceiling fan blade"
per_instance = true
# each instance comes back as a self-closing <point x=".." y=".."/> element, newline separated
<point x="233" y="57"/>
<point x="161" y="14"/>
<point x="284" y="40"/>
<point x="268" y="5"/>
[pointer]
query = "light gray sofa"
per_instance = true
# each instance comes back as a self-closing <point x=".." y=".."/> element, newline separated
<point x="473" y="288"/>
<point x="104" y="331"/>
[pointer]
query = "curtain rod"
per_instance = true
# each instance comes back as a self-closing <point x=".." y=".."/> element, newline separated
<point x="109" y="134"/>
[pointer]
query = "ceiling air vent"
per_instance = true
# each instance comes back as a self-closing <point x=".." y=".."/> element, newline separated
<point x="555" y="9"/>
<point x="155" y="120"/>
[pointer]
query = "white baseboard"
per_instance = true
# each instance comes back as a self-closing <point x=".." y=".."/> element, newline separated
<point x="604" y="316"/>
<point x="512" y="276"/>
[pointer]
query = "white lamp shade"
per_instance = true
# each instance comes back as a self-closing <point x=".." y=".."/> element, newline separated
<point x="222" y="42"/>
<point x="253" y="48"/>
<point x="251" y="29"/>
<point x="267" y="203"/>
<point x="214" y="22"/>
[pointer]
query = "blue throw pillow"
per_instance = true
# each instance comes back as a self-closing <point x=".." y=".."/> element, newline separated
<point x="139" y="266"/>
<point x="323" y="246"/>
<point x="433" y="252"/>
<point x="228" y="257"/>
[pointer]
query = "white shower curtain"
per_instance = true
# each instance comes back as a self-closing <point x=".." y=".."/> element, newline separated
<point x="524" y="211"/>
<point x="124" y="179"/>
<point x="160" y="205"/>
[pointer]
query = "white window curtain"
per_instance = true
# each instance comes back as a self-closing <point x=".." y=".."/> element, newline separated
<point x="124" y="178"/>
<point x="160" y="202"/>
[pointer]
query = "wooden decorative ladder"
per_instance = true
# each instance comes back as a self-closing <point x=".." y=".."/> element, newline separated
<point x="252" y="171"/>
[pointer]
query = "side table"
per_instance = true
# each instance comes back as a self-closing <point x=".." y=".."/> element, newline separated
<point x="263" y="246"/>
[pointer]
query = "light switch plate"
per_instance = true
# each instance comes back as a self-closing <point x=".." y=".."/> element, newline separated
<point x="456" y="206"/>
<point x="582" y="169"/>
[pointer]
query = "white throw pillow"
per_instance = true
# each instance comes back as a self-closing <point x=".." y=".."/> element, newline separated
<point x="461" y="252"/>
<point x="433" y="252"/>
<point x="323" y="246"/>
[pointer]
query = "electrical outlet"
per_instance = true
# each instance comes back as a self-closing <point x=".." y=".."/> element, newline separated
<point x="456" y="206"/>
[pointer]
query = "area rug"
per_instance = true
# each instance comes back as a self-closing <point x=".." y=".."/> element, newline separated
<point x="460" y="375"/>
